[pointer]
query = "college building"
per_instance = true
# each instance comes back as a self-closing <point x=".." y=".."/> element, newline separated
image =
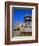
<point x="24" y="27"/>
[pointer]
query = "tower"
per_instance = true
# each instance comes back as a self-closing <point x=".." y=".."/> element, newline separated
<point x="28" y="21"/>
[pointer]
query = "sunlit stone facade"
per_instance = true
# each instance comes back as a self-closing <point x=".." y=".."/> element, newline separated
<point x="26" y="26"/>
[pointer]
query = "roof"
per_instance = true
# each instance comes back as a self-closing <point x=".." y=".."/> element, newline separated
<point x="26" y="16"/>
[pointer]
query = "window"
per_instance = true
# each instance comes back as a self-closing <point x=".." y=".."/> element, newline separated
<point x="18" y="29"/>
<point x="14" y="29"/>
<point x="21" y="25"/>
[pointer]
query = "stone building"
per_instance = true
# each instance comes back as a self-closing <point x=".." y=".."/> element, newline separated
<point x="23" y="27"/>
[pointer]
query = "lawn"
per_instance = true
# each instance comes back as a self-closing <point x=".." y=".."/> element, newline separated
<point x="25" y="34"/>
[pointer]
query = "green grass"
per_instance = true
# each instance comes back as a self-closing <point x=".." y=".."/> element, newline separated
<point x="24" y="35"/>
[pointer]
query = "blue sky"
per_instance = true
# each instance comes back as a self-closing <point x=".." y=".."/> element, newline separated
<point x="19" y="14"/>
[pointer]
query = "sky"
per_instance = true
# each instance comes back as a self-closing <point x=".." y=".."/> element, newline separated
<point x="19" y="13"/>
